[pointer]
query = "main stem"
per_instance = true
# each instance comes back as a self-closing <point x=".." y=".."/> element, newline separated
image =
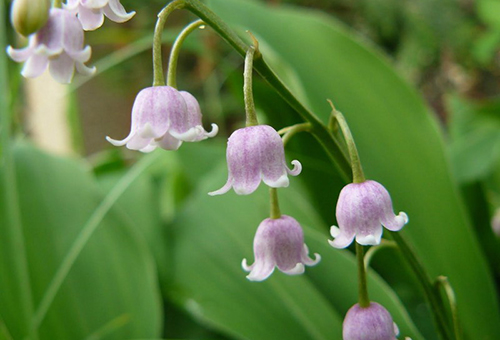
<point x="158" y="78"/>
<point x="251" y="115"/>
<point x="364" y="300"/>
<point x="176" y="48"/>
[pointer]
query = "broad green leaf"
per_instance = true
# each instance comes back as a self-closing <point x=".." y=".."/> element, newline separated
<point x="399" y="142"/>
<point x="475" y="138"/>
<point x="111" y="292"/>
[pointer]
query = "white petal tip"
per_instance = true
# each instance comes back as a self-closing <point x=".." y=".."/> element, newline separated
<point x="281" y="182"/>
<point x="297" y="270"/>
<point x="245" y="266"/>
<point x="368" y="240"/>
<point x="297" y="168"/>
<point x="213" y="133"/>
<point x="116" y="142"/>
<point x="334" y="231"/>
<point x="404" y="217"/>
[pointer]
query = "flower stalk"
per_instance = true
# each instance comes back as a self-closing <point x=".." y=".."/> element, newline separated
<point x="251" y="115"/>
<point x="158" y="77"/>
<point x="363" y="299"/>
<point x="275" y="207"/>
<point x="357" y="171"/>
<point x="176" y="48"/>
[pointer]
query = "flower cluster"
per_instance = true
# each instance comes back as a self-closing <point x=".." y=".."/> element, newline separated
<point x="59" y="43"/>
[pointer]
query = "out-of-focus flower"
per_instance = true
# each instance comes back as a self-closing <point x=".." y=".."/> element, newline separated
<point x="164" y="117"/>
<point x="59" y="44"/>
<point x="255" y="153"/>
<point x="362" y="209"/>
<point x="28" y="16"/>
<point x="495" y="223"/>
<point x="371" y="323"/>
<point x="279" y="243"/>
<point x="91" y="12"/>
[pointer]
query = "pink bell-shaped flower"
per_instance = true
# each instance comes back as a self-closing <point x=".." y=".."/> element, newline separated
<point x="255" y="153"/>
<point x="362" y="209"/>
<point x="164" y="117"/>
<point x="91" y="12"/>
<point x="58" y="44"/>
<point x="279" y="243"/>
<point x="371" y="323"/>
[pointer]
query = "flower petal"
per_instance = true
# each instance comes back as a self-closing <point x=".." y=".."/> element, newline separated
<point x="35" y="66"/>
<point x="116" y="12"/>
<point x="62" y="68"/>
<point x="297" y="270"/>
<point x="224" y="189"/>
<point x="297" y="168"/>
<point x="393" y="222"/>
<point x="22" y="54"/>
<point x="307" y="260"/>
<point x="91" y="19"/>
<point x="246" y="267"/>
<point x="168" y="142"/>
<point x="261" y="270"/>
<point x="342" y="237"/>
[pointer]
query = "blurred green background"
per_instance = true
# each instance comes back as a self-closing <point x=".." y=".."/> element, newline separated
<point x="98" y="242"/>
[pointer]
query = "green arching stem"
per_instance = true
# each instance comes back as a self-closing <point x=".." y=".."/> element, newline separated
<point x="57" y="4"/>
<point x="251" y="115"/>
<point x="275" y="207"/>
<point x="363" y="299"/>
<point x="442" y="281"/>
<point x="291" y="131"/>
<point x="158" y="78"/>
<point x="176" y="48"/>
<point x="370" y="253"/>
<point x="432" y="298"/>
<point x="357" y="171"/>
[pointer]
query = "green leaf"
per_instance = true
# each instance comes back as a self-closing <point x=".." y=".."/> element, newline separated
<point x="111" y="291"/>
<point x="399" y="142"/>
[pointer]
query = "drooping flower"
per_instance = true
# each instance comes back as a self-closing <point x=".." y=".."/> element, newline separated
<point x="279" y="243"/>
<point x="164" y="117"/>
<point x="255" y="153"/>
<point x="371" y="323"/>
<point x="91" y="12"/>
<point x="58" y="44"/>
<point x="362" y="209"/>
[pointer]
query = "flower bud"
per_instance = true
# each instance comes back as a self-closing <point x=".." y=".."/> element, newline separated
<point x="28" y="16"/>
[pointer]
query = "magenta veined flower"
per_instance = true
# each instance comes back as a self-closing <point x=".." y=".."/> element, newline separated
<point x="91" y="12"/>
<point x="164" y="117"/>
<point x="59" y="45"/>
<point x="279" y="243"/>
<point x="362" y="209"/>
<point x="371" y="323"/>
<point x="253" y="154"/>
